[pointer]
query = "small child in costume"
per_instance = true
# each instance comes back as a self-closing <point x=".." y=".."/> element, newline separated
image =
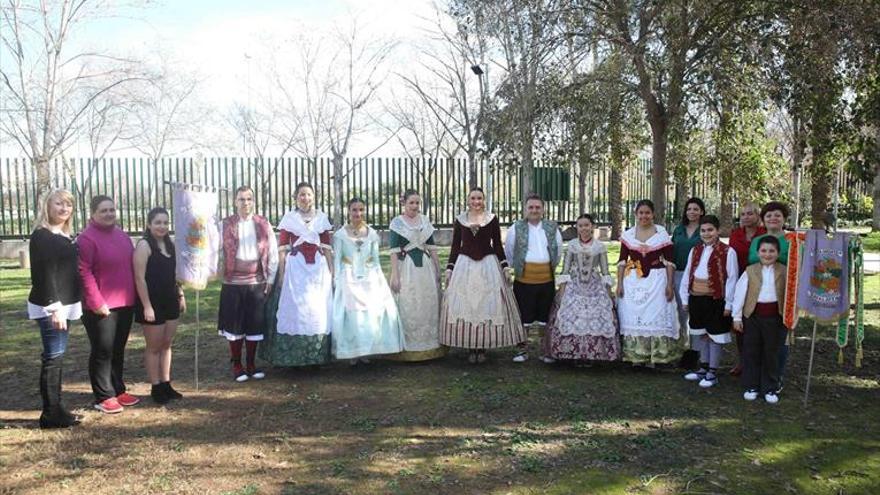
<point x="757" y="311"/>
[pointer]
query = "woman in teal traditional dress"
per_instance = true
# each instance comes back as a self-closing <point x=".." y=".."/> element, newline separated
<point x="365" y="318"/>
<point x="415" y="271"/>
<point x="298" y="311"/>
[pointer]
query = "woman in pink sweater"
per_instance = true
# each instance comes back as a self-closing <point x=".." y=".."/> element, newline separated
<point x="105" y="266"/>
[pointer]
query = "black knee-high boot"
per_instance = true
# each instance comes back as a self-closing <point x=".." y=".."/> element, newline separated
<point x="54" y="414"/>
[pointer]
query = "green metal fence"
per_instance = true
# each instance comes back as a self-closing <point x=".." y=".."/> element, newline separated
<point x="138" y="184"/>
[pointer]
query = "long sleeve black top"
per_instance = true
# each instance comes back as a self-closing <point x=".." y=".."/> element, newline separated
<point x="54" y="272"/>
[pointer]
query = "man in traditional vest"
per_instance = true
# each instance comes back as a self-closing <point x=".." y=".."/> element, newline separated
<point x="533" y="248"/>
<point x="250" y="261"/>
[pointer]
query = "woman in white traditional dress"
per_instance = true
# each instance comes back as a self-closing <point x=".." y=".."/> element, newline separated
<point x="415" y="280"/>
<point x="479" y="311"/>
<point x="646" y="304"/>
<point x="299" y="312"/>
<point x="365" y="318"/>
<point x="582" y="325"/>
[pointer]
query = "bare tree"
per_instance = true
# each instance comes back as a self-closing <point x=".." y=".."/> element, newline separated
<point x="457" y="88"/>
<point x="362" y="68"/>
<point x="50" y="89"/>
<point x="421" y="135"/>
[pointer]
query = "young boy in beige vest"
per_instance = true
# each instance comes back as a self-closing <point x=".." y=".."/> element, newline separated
<point x="757" y="311"/>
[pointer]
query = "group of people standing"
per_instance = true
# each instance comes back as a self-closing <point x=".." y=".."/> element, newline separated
<point x="108" y="283"/>
<point x="312" y="295"/>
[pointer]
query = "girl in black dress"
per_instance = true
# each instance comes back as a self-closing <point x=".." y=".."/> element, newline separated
<point x="159" y="303"/>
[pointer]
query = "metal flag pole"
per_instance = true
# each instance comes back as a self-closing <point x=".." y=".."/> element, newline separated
<point x="198" y="326"/>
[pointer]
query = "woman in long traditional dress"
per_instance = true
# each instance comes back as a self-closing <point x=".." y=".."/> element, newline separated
<point x="299" y="311"/>
<point x="479" y="311"/>
<point x="415" y="280"/>
<point x="582" y="324"/>
<point x="365" y="319"/>
<point x="646" y="304"/>
<point x="685" y="236"/>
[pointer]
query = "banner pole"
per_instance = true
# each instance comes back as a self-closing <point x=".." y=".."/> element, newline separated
<point x="198" y="326"/>
<point x="810" y="367"/>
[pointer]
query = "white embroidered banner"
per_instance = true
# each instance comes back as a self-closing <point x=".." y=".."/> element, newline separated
<point x="196" y="239"/>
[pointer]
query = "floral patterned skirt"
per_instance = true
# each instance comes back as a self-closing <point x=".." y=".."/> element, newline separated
<point x="583" y="324"/>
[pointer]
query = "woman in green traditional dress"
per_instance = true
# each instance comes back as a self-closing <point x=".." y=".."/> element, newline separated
<point x="299" y="312"/>
<point x="415" y="280"/>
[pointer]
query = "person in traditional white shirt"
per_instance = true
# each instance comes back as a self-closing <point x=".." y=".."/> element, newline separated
<point x="533" y="247"/>
<point x="706" y="293"/>
<point x="250" y="261"/>
<point x="757" y="311"/>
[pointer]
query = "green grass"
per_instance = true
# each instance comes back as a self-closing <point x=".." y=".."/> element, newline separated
<point x="871" y="242"/>
<point x="439" y="427"/>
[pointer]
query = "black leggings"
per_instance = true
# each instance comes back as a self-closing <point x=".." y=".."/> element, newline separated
<point x="108" y="336"/>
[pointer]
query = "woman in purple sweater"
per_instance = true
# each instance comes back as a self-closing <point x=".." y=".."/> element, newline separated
<point x="105" y="266"/>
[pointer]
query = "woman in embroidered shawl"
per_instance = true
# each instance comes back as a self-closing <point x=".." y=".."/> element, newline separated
<point x="415" y="279"/>
<point x="298" y="314"/>
<point x="582" y="324"/>
<point x="646" y="304"/>
<point x="478" y="311"/>
<point x="365" y="318"/>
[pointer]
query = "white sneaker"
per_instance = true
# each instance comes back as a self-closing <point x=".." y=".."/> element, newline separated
<point x="709" y="381"/>
<point x="695" y="376"/>
<point x="521" y="357"/>
<point x="242" y="377"/>
<point x="771" y="398"/>
<point x="547" y="360"/>
<point x="750" y="395"/>
<point x="258" y="375"/>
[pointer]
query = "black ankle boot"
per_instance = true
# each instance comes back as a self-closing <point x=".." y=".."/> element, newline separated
<point x="159" y="395"/>
<point x="170" y="392"/>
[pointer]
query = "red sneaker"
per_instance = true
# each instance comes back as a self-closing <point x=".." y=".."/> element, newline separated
<point x="109" y="406"/>
<point x="126" y="399"/>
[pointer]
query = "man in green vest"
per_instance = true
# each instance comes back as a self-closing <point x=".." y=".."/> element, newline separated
<point x="533" y="248"/>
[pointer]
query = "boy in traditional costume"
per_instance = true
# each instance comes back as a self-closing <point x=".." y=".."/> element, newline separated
<point x="706" y="293"/>
<point x="757" y="311"/>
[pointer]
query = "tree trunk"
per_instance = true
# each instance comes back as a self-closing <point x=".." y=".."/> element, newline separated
<point x="659" y="146"/>
<point x="44" y="179"/>
<point x="526" y="186"/>
<point x="338" y="192"/>
<point x="875" y="223"/>
<point x="615" y="200"/>
<point x="726" y="201"/>
<point x="822" y="179"/>
<point x="472" y="170"/>
<point x="797" y="162"/>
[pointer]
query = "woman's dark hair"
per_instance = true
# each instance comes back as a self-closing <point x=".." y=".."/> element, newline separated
<point x="772" y="240"/>
<point x="710" y="219"/>
<point x="300" y="186"/>
<point x="645" y="202"/>
<point x="356" y="200"/>
<point x="406" y="194"/>
<point x="587" y="216"/>
<point x="148" y="236"/>
<point x="476" y="189"/>
<point x="775" y="206"/>
<point x="96" y="202"/>
<point x="694" y="201"/>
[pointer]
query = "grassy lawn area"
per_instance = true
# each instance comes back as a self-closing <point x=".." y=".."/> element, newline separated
<point x="439" y="427"/>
